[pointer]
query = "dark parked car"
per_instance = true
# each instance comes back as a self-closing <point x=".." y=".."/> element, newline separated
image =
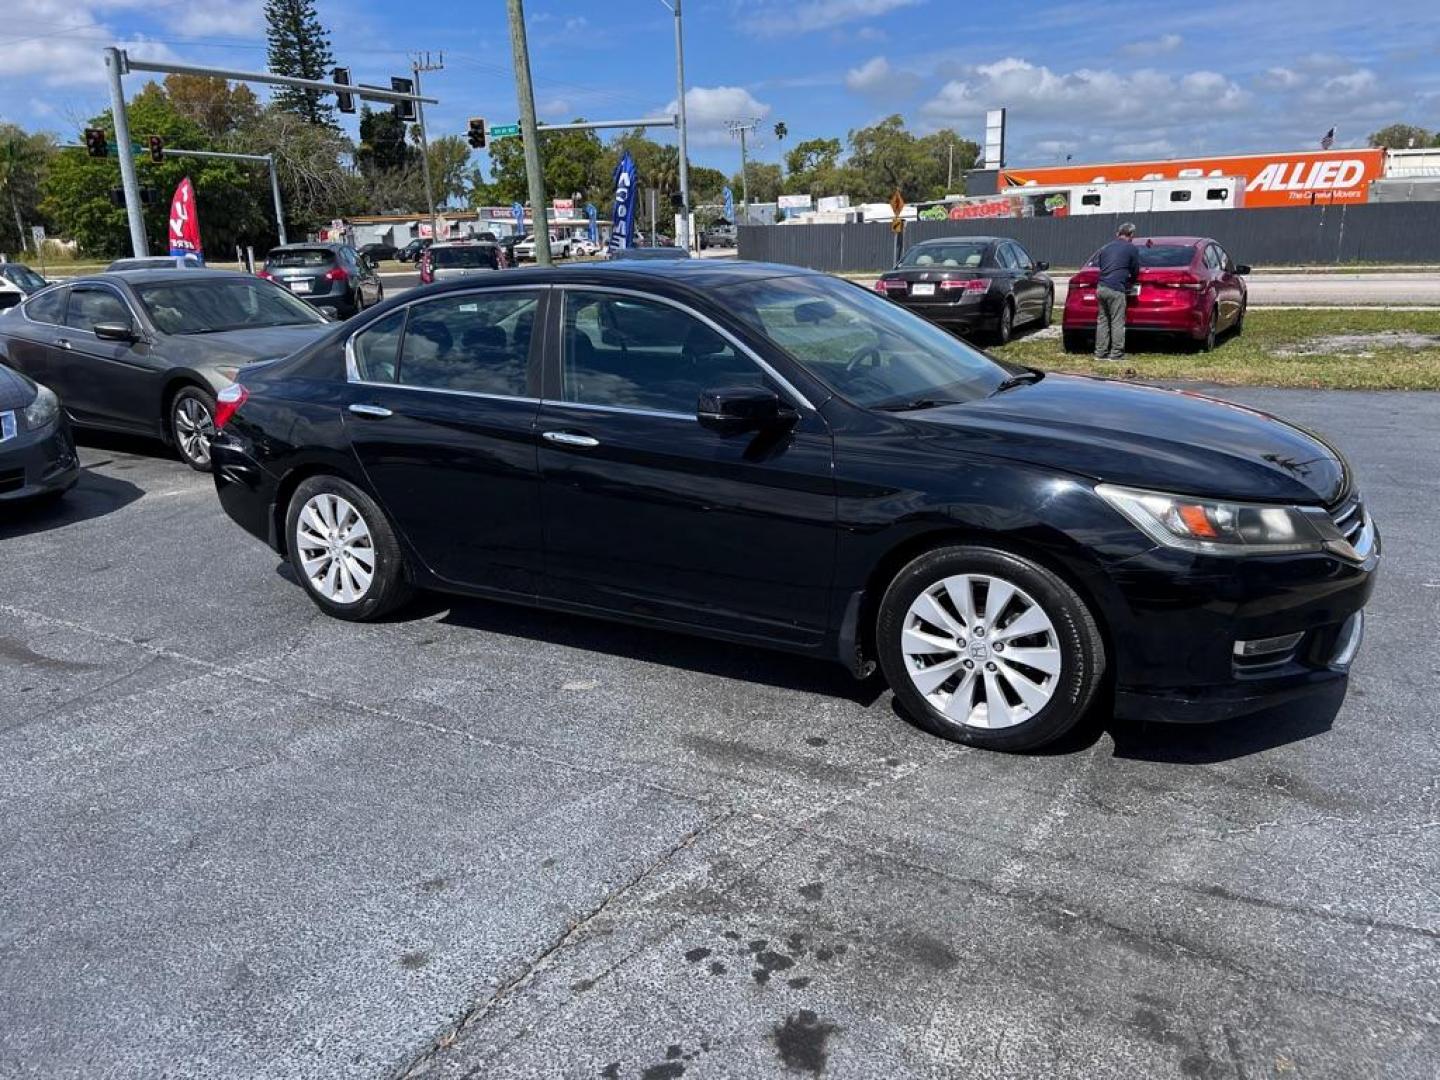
<point x="157" y="262"/>
<point x="412" y="251"/>
<point x="1189" y="287"/>
<point x="37" y="453"/>
<point x="722" y="234"/>
<point x="649" y="254"/>
<point x="22" y="277"/>
<point x="776" y="457"/>
<point x="972" y="285"/>
<point x="378" y="253"/>
<point x="332" y="277"/>
<point x="462" y="258"/>
<point x="144" y="351"/>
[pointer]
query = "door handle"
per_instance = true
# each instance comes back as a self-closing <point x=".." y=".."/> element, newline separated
<point x="63" y="343"/>
<point x="379" y="412"/>
<point x="569" y="438"/>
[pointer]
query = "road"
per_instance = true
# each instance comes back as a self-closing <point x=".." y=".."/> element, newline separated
<point x="243" y="840"/>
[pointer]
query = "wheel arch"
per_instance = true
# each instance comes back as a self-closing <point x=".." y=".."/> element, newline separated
<point x="297" y="475"/>
<point x="896" y="557"/>
<point x="175" y="381"/>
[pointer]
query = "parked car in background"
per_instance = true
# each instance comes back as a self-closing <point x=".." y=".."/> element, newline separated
<point x="37" y="451"/>
<point x="378" y="253"/>
<point x="21" y="277"/>
<point x="777" y="457"/>
<point x="10" y="294"/>
<point x="649" y="254"/>
<point x="972" y="285"/>
<point x="411" y="251"/>
<point x="722" y="234"/>
<point x="561" y="247"/>
<point x="449" y="260"/>
<point x="1189" y="287"/>
<point x="583" y="245"/>
<point x="144" y="351"/>
<point x="332" y="277"/>
<point x="157" y="262"/>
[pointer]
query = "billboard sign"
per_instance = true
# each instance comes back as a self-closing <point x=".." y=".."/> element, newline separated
<point x="1300" y="178"/>
<point x="995" y="139"/>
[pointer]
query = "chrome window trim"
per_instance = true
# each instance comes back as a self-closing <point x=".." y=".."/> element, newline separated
<point x="634" y="410"/>
<point x="352" y="370"/>
<point x="739" y="345"/>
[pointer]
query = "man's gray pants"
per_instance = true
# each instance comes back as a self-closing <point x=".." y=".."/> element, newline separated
<point x="1110" y="324"/>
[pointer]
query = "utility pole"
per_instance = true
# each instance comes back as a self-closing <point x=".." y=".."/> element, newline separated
<point x="683" y="236"/>
<point x="416" y="67"/>
<point x="525" y="95"/>
<point x="115" y="67"/>
<point x="950" y="168"/>
<point x="742" y="128"/>
<point x="275" y="194"/>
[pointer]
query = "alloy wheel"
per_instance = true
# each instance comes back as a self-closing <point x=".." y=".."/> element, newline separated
<point x="1007" y="324"/>
<point x="194" y="427"/>
<point x="336" y="549"/>
<point x="983" y="652"/>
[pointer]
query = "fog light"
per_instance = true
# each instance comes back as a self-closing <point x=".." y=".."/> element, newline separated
<point x="1348" y="643"/>
<point x="1268" y="645"/>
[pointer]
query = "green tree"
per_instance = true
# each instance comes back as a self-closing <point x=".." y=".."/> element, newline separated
<point x="24" y="161"/>
<point x="706" y="184"/>
<point x="314" y="187"/>
<point x="572" y="161"/>
<point x="885" y="157"/>
<point x="449" y="168"/>
<point x="228" y="195"/>
<point x="812" y="155"/>
<point x="298" y="45"/>
<point x="383" y="146"/>
<point x="951" y="155"/>
<point x="217" y="106"/>
<point x="1404" y="137"/>
<point x="764" y="181"/>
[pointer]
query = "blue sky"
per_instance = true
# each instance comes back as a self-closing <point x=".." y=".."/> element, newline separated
<point x="1097" y="82"/>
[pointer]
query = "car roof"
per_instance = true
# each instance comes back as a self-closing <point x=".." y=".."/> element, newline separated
<point x="325" y="245"/>
<point x="972" y="239"/>
<point x="1178" y="241"/>
<point x="145" y="277"/>
<point x="680" y="275"/>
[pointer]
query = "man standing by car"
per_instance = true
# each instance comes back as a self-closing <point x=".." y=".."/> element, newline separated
<point x="1119" y="265"/>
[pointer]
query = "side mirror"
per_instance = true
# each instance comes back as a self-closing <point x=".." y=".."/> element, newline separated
<point x="116" y="331"/>
<point x="1242" y="268"/>
<point x="1041" y="266"/>
<point x="733" y="409"/>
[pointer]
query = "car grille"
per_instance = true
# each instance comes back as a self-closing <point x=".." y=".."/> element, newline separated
<point x="1349" y="518"/>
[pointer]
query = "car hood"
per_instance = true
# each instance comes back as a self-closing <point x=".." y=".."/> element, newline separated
<point x="234" y="348"/>
<point x="1148" y="437"/>
<point x="16" y="391"/>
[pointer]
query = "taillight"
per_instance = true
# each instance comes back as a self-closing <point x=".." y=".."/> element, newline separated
<point x="227" y="401"/>
<point x="1172" y="279"/>
<point x="1085" y="278"/>
<point x="266" y="274"/>
<point x="338" y="274"/>
<point x="884" y="286"/>
<point x="968" y="285"/>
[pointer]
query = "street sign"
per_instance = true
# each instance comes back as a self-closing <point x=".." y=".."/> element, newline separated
<point x="37" y="233"/>
<point x="897" y="202"/>
<point x="504" y="131"/>
<point x="897" y="225"/>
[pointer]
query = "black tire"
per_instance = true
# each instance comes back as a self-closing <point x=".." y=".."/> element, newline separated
<point x="190" y="420"/>
<point x="1076" y="636"/>
<point x="1075" y="342"/>
<point x="1047" y="314"/>
<point x="1005" y="328"/>
<point x="1239" y="327"/>
<point x="389" y="587"/>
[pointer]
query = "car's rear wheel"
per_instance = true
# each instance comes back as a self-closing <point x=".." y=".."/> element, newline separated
<point x="988" y="648"/>
<point x="192" y="425"/>
<point x="1005" y="328"/>
<point x="1074" y="341"/>
<point x="1047" y="313"/>
<point x="343" y="550"/>
<point x="1239" y="327"/>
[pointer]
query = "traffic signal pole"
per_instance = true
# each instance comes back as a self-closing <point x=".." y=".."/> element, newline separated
<point x="416" y="68"/>
<point x="115" y="67"/>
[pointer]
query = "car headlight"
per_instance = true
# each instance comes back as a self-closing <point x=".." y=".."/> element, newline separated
<point x="1217" y="526"/>
<point x="43" y="410"/>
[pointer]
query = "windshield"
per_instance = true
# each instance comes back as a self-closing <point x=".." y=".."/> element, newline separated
<point x="948" y="255"/>
<point x="23" y="276"/>
<point x="467" y="257"/>
<point x="308" y="257"/>
<point x="207" y="307"/>
<point x="871" y="351"/>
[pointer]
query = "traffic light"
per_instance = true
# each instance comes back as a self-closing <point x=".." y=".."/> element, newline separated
<point x="677" y="201"/>
<point x="157" y="149"/>
<point x="344" y="102"/>
<point x="117" y="197"/>
<point x="478" y="133"/>
<point x="404" y="110"/>
<point x="148" y="196"/>
<point x="95" y="142"/>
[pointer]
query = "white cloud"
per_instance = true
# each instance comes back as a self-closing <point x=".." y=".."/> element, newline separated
<point x="778" y="17"/>
<point x="59" y="43"/>
<point x="1165" y="43"/>
<point x="707" y="108"/>
<point x="229" y="20"/>
<point x="1280" y="78"/>
<point x="877" y="79"/>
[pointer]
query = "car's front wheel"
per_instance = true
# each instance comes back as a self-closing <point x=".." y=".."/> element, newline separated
<point x="988" y="648"/>
<point x="192" y="425"/>
<point x="343" y="550"/>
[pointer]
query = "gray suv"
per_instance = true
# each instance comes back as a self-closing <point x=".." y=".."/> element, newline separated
<point x="332" y="277"/>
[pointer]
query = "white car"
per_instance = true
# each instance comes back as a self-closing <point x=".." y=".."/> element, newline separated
<point x="561" y="247"/>
<point x="10" y="294"/>
<point x="583" y="245"/>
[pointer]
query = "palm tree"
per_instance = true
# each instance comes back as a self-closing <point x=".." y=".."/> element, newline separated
<point x="781" y="131"/>
<point x="666" y="177"/>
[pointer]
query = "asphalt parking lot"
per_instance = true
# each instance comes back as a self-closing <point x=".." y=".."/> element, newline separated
<point x="243" y="840"/>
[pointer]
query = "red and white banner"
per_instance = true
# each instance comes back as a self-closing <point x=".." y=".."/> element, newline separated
<point x="184" y="222"/>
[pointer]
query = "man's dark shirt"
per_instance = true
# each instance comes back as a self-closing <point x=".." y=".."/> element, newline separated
<point x="1119" y="263"/>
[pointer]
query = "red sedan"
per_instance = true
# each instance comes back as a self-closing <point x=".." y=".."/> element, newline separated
<point x="1188" y="286"/>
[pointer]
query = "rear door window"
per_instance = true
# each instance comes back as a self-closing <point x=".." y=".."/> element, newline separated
<point x="377" y="349"/>
<point x="48" y="307"/>
<point x="476" y="342"/>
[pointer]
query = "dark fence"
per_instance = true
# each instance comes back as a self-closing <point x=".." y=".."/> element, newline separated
<point x="1272" y="236"/>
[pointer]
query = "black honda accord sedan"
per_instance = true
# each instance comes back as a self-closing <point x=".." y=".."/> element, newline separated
<point x="779" y="458"/>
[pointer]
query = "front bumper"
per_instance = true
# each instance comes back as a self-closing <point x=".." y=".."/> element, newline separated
<point x="38" y="463"/>
<point x="1177" y="657"/>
